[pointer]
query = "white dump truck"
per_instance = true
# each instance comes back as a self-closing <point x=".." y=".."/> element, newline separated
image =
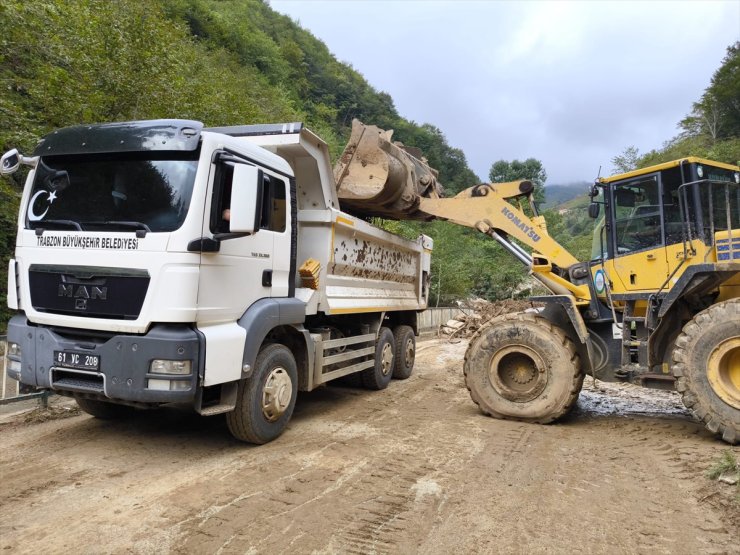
<point x="161" y="261"/>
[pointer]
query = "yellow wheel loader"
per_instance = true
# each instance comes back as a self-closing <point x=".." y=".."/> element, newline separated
<point x="658" y="304"/>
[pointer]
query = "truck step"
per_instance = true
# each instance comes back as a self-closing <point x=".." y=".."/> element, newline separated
<point x="216" y="409"/>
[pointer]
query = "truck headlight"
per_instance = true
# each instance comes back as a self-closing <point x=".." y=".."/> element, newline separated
<point x="179" y="367"/>
<point x="14" y="350"/>
<point x="13" y="359"/>
<point x="168" y="385"/>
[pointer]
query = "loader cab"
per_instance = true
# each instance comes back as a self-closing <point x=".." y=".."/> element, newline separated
<point x="653" y="218"/>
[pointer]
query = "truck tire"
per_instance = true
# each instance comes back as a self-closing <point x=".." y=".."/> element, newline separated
<point x="265" y="401"/>
<point x="405" y="352"/>
<point x="706" y="362"/>
<point x="379" y="376"/>
<point x="522" y="367"/>
<point x="104" y="410"/>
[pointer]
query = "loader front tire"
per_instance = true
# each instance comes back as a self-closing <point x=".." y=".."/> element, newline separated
<point x="522" y="367"/>
<point x="706" y="362"/>
<point x="265" y="401"/>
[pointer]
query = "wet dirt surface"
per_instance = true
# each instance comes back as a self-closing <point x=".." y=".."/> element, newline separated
<point x="412" y="469"/>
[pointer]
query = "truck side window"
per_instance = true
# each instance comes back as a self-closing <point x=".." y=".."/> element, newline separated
<point x="273" y="204"/>
<point x="272" y="212"/>
<point x="221" y="197"/>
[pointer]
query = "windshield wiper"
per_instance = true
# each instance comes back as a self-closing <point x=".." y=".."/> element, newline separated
<point x="141" y="228"/>
<point x="42" y="225"/>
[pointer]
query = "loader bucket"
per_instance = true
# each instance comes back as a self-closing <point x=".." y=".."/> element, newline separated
<point x="376" y="177"/>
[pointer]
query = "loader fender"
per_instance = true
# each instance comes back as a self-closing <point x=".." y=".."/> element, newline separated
<point x="562" y="310"/>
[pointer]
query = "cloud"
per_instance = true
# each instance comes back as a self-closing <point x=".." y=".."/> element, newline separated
<point x="570" y="83"/>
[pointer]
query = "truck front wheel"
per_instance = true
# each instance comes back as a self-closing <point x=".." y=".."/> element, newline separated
<point x="706" y="361"/>
<point x="265" y="401"/>
<point x="522" y="367"/>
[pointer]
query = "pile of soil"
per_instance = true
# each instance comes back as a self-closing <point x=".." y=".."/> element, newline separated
<point x="476" y="313"/>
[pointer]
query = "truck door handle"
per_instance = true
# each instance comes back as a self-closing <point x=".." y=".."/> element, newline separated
<point x="267" y="278"/>
<point x="650" y="257"/>
<point x="204" y="244"/>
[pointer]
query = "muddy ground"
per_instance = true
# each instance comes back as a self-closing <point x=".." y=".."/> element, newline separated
<point x="412" y="469"/>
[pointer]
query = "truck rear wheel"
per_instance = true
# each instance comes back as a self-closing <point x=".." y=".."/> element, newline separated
<point x="706" y="361"/>
<point x="405" y="352"/>
<point x="379" y="376"/>
<point x="522" y="367"/>
<point x="265" y="402"/>
<point x="104" y="410"/>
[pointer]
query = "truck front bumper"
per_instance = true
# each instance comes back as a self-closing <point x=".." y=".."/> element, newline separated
<point x="123" y="371"/>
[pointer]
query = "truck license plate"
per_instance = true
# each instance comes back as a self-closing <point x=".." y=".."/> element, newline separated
<point x="80" y="361"/>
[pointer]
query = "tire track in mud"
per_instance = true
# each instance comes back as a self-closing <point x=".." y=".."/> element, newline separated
<point x="414" y="468"/>
<point x="383" y="472"/>
<point x="683" y="450"/>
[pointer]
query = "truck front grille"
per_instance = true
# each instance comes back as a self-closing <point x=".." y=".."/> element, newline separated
<point x="93" y="292"/>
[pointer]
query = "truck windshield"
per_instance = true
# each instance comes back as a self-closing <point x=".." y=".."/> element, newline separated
<point x="120" y="192"/>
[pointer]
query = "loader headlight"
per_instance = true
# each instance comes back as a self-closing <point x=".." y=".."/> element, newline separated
<point x="700" y="171"/>
<point x="180" y="367"/>
<point x="737" y="177"/>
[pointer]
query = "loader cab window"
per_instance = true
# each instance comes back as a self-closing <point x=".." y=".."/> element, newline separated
<point x="637" y="215"/>
<point x="676" y="224"/>
<point x="599" y="241"/>
<point x="720" y="197"/>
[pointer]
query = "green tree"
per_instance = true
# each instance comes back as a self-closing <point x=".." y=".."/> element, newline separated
<point x="626" y="161"/>
<point x="717" y="113"/>
<point x="531" y="169"/>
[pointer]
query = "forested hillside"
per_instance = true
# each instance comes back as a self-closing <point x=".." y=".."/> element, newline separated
<point x="226" y="62"/>
<point x="65" y="62"/>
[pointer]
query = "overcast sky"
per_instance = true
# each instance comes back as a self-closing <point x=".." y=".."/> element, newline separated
<point x="569" y="83"/>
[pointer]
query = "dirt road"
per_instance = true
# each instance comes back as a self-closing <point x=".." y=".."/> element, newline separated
<point x="414" y="468"/>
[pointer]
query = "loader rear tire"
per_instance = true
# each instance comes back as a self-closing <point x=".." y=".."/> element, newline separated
<point x="706" y="361"/>
<point x="522" y="367"/>
<point x="104" y="410"/>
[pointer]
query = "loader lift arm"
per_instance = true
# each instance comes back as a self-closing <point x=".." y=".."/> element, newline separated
<point x="487" y="208"/>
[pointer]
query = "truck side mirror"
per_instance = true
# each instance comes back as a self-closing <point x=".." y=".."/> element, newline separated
<point x="10" y="162"/>
<point x="593" y="210"/>
<point x="246" y="192"/>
